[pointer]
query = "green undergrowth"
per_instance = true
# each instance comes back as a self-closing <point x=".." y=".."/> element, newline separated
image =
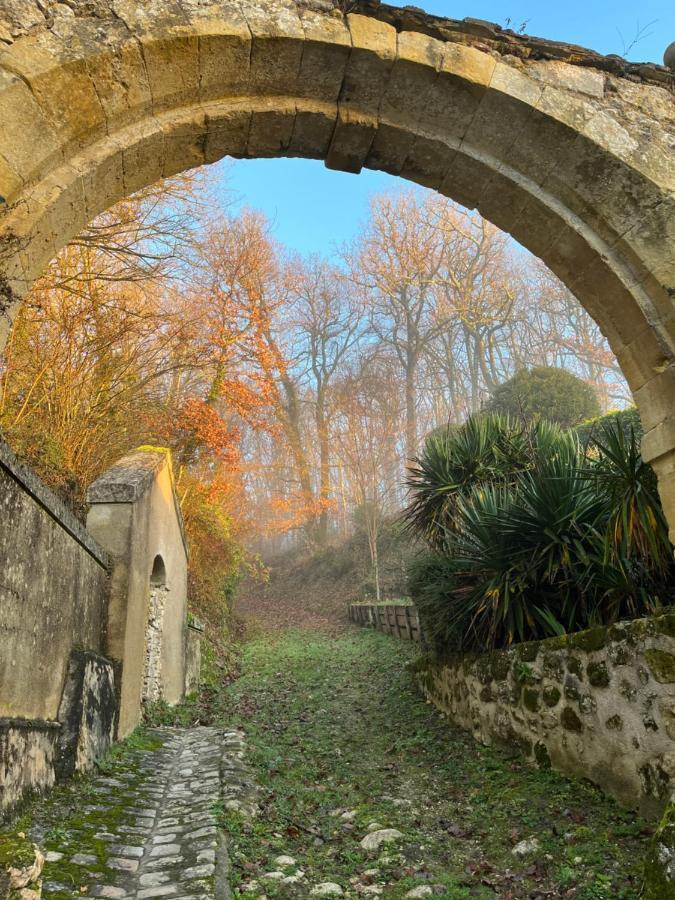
<point x="70" y="816"/>
<point x="335" y="725"/>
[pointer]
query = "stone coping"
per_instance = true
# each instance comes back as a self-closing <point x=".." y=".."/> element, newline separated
<point x="130" y="478"/>
<point x="505" y="41"/>
<point x="51" y="504"/>
<point x="589" y="640"/>
<point x="17" y="19"/>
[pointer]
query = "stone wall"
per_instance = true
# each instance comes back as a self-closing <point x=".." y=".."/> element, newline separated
<point x="152" y="679"/>
<point x="86" y="633"/>
<point x="135" y="515"/>
<point x="53" y="599"/>
<point x="193" y="656"/>
<point x="598" y="704"/>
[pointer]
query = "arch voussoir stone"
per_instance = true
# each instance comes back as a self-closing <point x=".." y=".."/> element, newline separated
<point x="568" y="151"/>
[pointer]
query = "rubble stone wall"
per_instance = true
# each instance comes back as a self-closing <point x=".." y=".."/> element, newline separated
<point x="599" y="704"/>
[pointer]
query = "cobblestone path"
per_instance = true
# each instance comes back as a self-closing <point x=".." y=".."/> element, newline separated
<point x="150" y="830"/>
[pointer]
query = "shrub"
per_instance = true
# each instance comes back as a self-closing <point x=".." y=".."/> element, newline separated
<point x="489" y="449"/>
<point x="554" y="539"/>
<point x="626" y="419"/>
<point x="546" y="392"/>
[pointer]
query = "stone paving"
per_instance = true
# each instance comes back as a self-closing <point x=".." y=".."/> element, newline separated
<point x="151" y="830"/>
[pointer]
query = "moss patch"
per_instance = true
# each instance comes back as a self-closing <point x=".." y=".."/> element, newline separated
<point x="554" y="667"/>
<point x="574" y="666"/>
<point x="531" y="699"/>
<point x="660" y="855"/>
<point x="16" y="850"/>
<point x="598" y="674"/>
<point x="542" y="756"/>
<point x="528" y="651"/>
<point x="551" y="695"/>
<point x="591" y="640"/>
<point x="500" y="666"/>
<point x="661" y="665"/>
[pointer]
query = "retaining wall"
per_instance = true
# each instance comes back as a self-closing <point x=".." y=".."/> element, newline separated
<point x="53" y="606"/>
<point x="76" y="619"/>
<point x="599" y="704"/>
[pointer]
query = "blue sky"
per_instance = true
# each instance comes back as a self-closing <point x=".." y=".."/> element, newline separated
<point x="314" y="210"/>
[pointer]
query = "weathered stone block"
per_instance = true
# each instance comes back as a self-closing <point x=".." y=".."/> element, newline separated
<point x="27" y="755"/>
<point x="88" y="713"/>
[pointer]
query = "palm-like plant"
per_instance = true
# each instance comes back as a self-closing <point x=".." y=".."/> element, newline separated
<point x="637" y="529"/>
<point x="535" y="536"/>
<point x="486" y="450"/>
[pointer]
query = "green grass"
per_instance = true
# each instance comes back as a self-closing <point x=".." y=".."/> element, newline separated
<point x="336" y="724"/>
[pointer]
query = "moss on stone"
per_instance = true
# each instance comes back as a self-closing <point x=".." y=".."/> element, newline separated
<point x="621" y="654"/>
<point x="598" y="674"/>
<point x="16" y="850"/>
<point x="661" y="665"/>
<point x="658" y="882"/>
<point x="614" y="723"/>
<point x="553" y="666"/>
<point x="514" y="742"/>
<point x="666" y="624"/>
<point x="541" y="755"/>
<point x="575" y="667"/>
<point x="500" y="665"/>
<point x="528" y="651"/>
<point x="483" y="670"/>
<point x="531" y="699"/>
<point x="570" y="720"/>
<point x="467" y="663"/>
<point x="551" y="695"/>
<point x="557" y="643"/>
<point x="421" y="663"/>
<point x="627" y="690"/>
<point x="590" y="640"/>
<point x="571" y="688"/>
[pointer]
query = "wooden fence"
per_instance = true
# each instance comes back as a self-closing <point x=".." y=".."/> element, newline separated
<point x="399" y="620"/>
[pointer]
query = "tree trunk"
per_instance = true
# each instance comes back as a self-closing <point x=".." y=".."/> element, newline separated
<point x="410" y="412"/>
<point x="294" y="437"/>
<point x="324" y="471"/>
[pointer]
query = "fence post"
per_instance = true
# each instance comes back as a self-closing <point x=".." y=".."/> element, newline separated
<point x="406" y="611"/>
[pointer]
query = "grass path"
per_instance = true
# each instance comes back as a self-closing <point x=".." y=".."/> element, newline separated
<point x="339" y="739"/>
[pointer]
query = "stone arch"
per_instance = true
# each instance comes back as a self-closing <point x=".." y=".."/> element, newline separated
<point x="568" y="151"/>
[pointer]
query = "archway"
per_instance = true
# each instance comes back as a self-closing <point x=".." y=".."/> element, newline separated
<point x="566" y="150"/>
<point x="152" y="675"/>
